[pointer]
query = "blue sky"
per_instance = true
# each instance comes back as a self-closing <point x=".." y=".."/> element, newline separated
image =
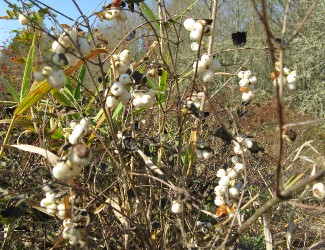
<point x="67" y="7"/>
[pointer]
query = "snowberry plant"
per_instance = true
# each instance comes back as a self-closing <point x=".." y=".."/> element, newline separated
<point x="286" y="76"/>
<point x="67" y="168"/>
<point x="247" y="85"/>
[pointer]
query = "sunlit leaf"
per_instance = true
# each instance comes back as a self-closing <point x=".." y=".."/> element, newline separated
<point x="7" y="18"/>
<point x="10" y="88"/>
<point x="118" y="110"/>
<point x="52" y="158"/>
<point x="39" y="90"/>
<point x="80" y="80"/>
<point x="65" y="26"/>
<point x="28" y="70"/>
<point x="61" y="97"/>
<point x="149" y="14"/>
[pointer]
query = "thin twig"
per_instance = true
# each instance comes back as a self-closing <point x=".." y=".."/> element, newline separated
<point x="304" y="20"/>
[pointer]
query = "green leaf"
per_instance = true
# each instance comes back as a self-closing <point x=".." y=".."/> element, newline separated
<point x="163" y="86"/>
<point x="138" y="111"/>
<point x="80" y="80"/>
<point x="6" y="17"/>
<point x="44" y="87"/>
<point x="61" y="97"/>
<point x="10" y="88"/>
<point x="57" y="134"/>
<point x="118" y="110"/>
<point x="149" y="14"/>
<point x="16" y="13"/>
<point x="35" y="95"/>
<point x="28" y="70"/>
<point x="151" y="84"/>
<point x="68" y="85"/>
<point x="99" y="114"/>
<point x="10" y="14"/>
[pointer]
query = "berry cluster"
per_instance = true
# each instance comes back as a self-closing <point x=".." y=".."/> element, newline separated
<point x="66" y="52"/>
<point x="197" y="29"/>
<point x="79" y="155"/>
<point x="204" y="151"/>
<point x="78" y="131"/>
<point x="242" y="145"/>
<point x="66" y="169"/>
<point x="207" y="66"/>
<point x="247" y="85"/>
<point x="144" y="99"/>
<point x="203" y="226"/>
<point x="289" y="78"/>
<point x="118" y="92"/>
<point x="115" y="13"/>
<point x="72" y="164"/>
<point x="52" y="205"/>
<point x="228" y="190"/>
<point x="73" y="234"/>
<point x="193" y="104"/>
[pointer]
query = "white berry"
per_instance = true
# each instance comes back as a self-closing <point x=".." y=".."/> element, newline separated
<point x="117" y="89"/>
<point x="241" y="74"/>
<point x="221" y="172"/>
<point x="219" y="201"/>
<point x="124" y="79"/>
<point x="239" y="167"/>
<point x="189" y="24"/>
<point x="57" y="79"/>
<point x="207" y="59"/>
<point x="195" y="36"/>
<point x="208" y="76"/>
<point x="177" y="207"/>
<point x="84" y="46"/>
<point x="60" y="170"/>
<point x="24" y="19"/>
<point x="253" y="80"/>
<point x="111" y="101"/>
<point x="199" y="153"/>
<point x="244" y="82"/>
<point x="247" y="74"/>
<point x="233" y="193"/>
<point x="224" y="181"/>
<point x="319" y="190"/>
<point x="232" y="173"/>
<point x="215" y="65"/>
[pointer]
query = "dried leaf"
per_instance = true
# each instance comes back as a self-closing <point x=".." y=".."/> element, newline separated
<point x="35" y="205"/>
<point x="52" y="158"/>
<point x="222" y="211"/>
<point x="113" y="201"/>
<point x="267" y="234"/>
<point x="63" y="25"/>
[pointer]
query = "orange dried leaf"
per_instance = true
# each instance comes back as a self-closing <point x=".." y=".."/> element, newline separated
<point x="232" y="209"/>
<point x="65" y="26"/>
<point x="244" y="89"/>
<point x="274" y="74"/>
<point x="222" y="211"/>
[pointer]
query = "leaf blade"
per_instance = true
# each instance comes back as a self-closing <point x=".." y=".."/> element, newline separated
<point x="52" y="158"/>
<point x="28" y="70"/>
<point x="10" y="88"/>
<point x="81" y="78"/>
<point x="150" y="15"/>
<point x="44" y="87"/>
